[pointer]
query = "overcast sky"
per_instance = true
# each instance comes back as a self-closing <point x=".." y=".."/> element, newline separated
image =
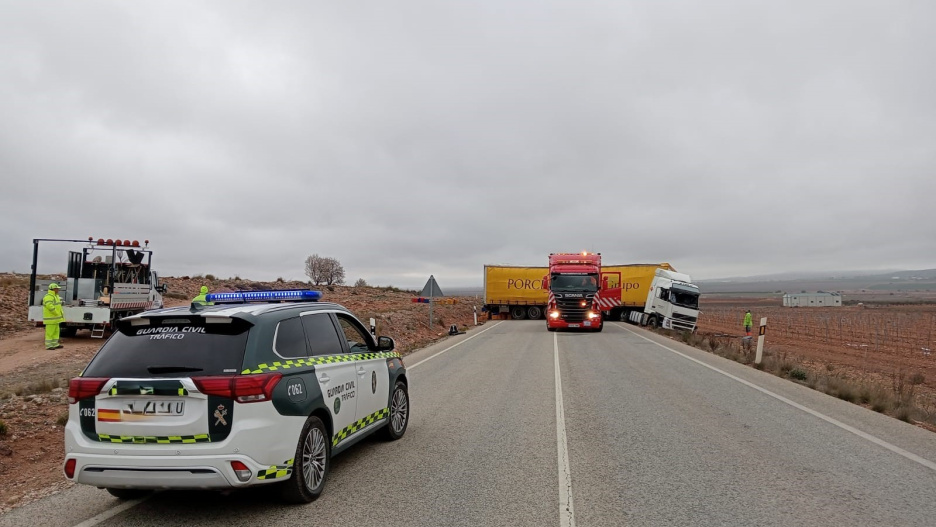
<point x="409" y="138"/>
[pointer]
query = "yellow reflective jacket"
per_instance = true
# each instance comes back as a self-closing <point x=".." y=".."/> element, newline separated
<point x="52" y="312"/>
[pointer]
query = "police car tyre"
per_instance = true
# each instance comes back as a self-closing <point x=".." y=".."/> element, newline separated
<point x="311" y="464"/>
<point x="128" y="494"/>
<point x="518" y="313"/>
<point x="399" y="413"/>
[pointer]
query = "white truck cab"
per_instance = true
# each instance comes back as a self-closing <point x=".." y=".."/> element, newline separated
<point x="672" y="302"/>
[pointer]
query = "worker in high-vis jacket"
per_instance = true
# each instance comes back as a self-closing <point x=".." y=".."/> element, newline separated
<point x="52" y="316"/>
<point x="200" y="298"/>
<point x="748" y="322"/>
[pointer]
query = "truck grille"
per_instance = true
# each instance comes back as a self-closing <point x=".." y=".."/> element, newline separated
<point x="681" y="317"/>
<point x="683" y="322"/>
<point x="571" y="309"/>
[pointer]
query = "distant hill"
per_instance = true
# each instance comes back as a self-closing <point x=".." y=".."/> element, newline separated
<point x="918" y="280"/>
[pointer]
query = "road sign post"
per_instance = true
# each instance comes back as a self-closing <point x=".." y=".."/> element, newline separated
<point x="760" y="340"/>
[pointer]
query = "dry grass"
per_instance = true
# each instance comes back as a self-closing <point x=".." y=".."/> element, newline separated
<point x="39" y="387"/>
<point x="898" y="399"/>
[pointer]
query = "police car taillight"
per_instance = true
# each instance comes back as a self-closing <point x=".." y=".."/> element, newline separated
<point x="241" y="388"/>
<point x="241" y="471"/>
<point x="84" y="387"/>
<point x="70" y="468"/>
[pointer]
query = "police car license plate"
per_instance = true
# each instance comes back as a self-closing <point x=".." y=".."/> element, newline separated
<point x="573" y="325"/>
<point x="133" y="410"/>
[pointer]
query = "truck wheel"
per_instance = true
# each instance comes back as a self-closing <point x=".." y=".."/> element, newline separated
<point x="517" y="313"/>
<point x="653" y="323"/>
<point x="534" y="312"/>
<point x="68" y="332"/>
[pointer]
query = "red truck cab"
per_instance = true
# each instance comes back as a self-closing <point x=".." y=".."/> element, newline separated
<point x="574" y="285"/>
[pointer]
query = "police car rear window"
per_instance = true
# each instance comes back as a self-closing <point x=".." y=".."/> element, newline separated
<point x="172" y="348"/>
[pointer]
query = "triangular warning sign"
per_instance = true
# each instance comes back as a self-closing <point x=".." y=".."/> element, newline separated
<point x="431" y="289"/>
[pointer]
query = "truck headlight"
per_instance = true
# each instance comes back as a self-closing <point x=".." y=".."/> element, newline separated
<point x="592" y="314"/>
<point x="553" y="314"/>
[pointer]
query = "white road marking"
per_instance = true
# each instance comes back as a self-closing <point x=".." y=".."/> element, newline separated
<point x="566" y="512"/>
<point x="427" y="359"/>
<point x="864" y="435"/>
<point x="113" y="511"/>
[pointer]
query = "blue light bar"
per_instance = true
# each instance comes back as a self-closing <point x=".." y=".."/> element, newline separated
<point x="284" y="295"/>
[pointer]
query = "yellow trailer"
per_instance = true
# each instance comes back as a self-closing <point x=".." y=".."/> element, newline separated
<point x="633" y="279"/>
<point x="516" y="290"/>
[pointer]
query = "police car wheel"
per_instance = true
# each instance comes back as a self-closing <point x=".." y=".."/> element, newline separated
<point x="128" y="494"/>
<point x="399" y="413"/>
<point x="311" y="465"/>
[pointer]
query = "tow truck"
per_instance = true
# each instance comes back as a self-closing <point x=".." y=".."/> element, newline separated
<point x="106" y="280"/>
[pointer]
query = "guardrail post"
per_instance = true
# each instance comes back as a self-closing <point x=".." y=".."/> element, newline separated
<point x="760" y="340"/>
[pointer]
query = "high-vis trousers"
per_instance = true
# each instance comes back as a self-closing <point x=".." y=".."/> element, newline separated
<point x="51" y="336"/>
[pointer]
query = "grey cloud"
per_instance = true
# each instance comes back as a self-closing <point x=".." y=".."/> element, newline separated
<point x="418" y="138"/>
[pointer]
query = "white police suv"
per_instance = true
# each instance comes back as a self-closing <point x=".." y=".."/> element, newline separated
<point x="263" y="387"/>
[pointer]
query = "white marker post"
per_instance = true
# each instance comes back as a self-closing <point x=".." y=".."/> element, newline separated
<point x="760" y="340"/>
<point x="475" y="308"/>
<point x="373" y="327"/>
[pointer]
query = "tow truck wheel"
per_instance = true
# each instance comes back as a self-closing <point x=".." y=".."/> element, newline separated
<point x="534" y="312"/>
<point x="128" y="494"/>
<point x="68" y="331"/>
<point x="652" y="323"/>
<point x="311" y="465"/>
<point x="518" y="313"/>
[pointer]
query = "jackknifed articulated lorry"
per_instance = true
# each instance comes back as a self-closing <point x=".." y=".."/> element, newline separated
<point x="650" y="295"/>
<point x="105" y="281"/>
<point x="645" y="294"/>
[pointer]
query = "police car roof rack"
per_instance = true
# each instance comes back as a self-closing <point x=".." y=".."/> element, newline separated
<point x="279" y="295"/>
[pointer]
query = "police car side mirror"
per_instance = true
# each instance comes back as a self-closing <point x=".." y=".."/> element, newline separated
<point x="385" y="344"/>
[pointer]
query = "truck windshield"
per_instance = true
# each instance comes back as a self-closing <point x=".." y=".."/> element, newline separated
<point x="572" y="282"/>
<point x="684" y="298"/>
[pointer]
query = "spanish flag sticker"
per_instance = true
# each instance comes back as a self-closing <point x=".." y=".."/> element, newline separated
<point x="108" y="416"/>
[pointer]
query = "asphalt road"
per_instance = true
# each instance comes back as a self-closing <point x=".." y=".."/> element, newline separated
<point x="639" y="430"/>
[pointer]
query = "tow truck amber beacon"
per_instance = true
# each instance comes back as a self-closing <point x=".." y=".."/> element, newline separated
<point x="259" y="388"/>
